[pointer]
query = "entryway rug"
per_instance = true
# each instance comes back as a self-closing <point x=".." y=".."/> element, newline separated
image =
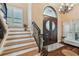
<point x="54" y="46"/>
<point x="67" y="52"/>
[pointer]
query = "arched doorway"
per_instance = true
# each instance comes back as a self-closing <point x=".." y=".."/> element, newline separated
<point x="49" y="25"/>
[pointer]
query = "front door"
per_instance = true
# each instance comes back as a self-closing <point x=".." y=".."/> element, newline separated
<point x="50" y="30"/>
<point x="49" y="25"/>
<point x="14" y="17"/>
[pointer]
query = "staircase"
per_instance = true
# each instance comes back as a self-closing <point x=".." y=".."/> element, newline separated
<point x="19" y="43"/>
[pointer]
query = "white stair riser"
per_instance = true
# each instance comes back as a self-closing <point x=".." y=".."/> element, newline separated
<point x="22" y="38"/>
<point x="22" y="51"/>
<point x="16" y="29"/>
<point x="18" y="36"/>
<point x="15" y="33"/>
<point x="19" y="40"/>
<point x="17" y="46"/>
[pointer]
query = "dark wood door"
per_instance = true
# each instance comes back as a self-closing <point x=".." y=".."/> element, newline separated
<point x="49" y="30"/>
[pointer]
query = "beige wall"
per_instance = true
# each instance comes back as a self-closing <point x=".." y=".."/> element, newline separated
<point x="24" y="7"/>
<point x="72" y="15"/>
<point x="37" y="16"/>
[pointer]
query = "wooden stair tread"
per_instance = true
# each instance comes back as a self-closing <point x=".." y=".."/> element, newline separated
<point x="31" y="53"/>
<point x="19" y="38"/>
<point x="19" y="42"/>
<point x="17" y="29"/>
<point x="18" y="49"/>
<point x="17" y="46"/>
<point x="21" y="51"/>
<point x="22" y="42"/>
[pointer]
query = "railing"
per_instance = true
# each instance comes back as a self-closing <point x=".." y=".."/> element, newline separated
<point x="3" y="25"/>
<point x="39" y="40"/>
<point x="37" y="35"/>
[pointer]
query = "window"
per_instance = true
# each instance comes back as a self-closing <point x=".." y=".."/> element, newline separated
<point x="14" y="16"/>
<point x="49" y="12"/>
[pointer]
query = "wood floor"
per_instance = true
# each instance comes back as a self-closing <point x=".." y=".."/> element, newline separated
<point x="66" y="46"/>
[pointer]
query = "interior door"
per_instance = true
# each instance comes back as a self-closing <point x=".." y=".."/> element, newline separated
<point x="50" y="30"/>
<point x="14" y="17"/>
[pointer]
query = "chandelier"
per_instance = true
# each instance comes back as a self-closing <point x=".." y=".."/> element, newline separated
<point x="66" y="7"/>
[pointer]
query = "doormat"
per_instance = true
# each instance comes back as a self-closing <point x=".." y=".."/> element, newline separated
<point x="54" y="46"/>
<point x="67" y="52"/>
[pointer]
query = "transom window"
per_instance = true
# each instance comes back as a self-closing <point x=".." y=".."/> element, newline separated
<point x="49" y="12"/>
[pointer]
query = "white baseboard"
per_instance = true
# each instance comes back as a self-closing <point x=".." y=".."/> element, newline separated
<point x="71" y="42"/>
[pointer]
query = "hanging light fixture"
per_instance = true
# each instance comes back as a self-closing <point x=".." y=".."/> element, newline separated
<point x="66" y="7"/>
